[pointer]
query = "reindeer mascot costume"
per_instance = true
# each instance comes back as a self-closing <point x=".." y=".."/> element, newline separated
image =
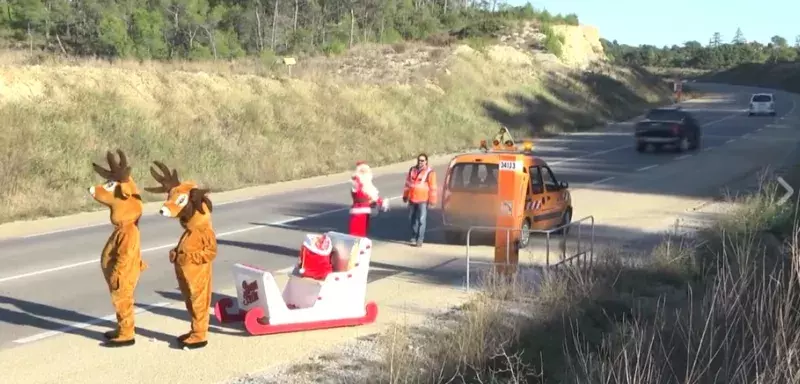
<point x="196" y="250"/>
<point x="121" y="260"/>
<point x="365" y="195"/>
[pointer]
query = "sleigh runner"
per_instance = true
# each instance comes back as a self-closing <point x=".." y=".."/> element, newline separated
<point x="319" y="294"/>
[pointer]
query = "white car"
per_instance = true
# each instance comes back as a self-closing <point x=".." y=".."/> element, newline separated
<point x="762" y="104"/>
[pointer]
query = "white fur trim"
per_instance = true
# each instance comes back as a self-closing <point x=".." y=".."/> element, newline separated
<point x="363" y="169"/>
<point x="360" y="211"/>
<point x="364" y="181"/>
<point x="370" y="190"/>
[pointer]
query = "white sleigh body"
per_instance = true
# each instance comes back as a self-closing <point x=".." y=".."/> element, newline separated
<point x="304" y="303"/>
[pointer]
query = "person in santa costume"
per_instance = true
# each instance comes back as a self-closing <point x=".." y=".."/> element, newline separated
<point x="365" y="195"/>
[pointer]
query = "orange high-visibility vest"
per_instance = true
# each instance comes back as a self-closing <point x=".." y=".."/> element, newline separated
<point x="420" y="186"/>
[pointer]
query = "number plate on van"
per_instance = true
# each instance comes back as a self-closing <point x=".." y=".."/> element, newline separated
<point x="508" y="165"/>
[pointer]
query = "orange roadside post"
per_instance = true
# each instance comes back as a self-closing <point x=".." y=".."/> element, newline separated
<point x="511" y="183"/>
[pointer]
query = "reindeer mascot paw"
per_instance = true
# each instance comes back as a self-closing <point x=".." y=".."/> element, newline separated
<point x="196" y="249"/>
<point x="121" y="260"/>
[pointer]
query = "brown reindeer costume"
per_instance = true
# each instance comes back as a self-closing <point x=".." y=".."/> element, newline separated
<point x="196" y="249"/>
<point x="121" y="260"/>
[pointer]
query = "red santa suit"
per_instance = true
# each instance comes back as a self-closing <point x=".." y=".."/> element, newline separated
<point x="364" y="195"/>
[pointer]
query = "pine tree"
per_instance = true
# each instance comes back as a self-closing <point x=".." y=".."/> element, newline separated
<point x="738" y="38"/>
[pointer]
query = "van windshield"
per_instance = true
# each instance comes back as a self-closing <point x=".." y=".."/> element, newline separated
<point x="762" y="98"/>
<point x="473" y="177"/>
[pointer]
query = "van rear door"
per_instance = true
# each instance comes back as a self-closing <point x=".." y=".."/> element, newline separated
<point x="470" y="196"/>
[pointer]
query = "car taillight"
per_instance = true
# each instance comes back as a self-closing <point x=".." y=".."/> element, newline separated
<point x="676" y="129"/>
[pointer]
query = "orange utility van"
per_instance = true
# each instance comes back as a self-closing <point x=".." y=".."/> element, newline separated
<point x="470" y="192"/>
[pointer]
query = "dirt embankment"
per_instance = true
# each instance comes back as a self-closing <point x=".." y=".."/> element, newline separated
<point x="230" y="125"/>
<point x="784" y="76"/>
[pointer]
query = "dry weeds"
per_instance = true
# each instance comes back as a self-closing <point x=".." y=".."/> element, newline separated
<point x="717" y="307"/>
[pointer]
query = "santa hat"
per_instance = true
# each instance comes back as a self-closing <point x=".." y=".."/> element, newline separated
<point x="362" y="168"/>
<point x="362" y="179"/>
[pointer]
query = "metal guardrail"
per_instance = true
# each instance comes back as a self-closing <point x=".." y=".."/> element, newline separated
<point x="563" y="257"/>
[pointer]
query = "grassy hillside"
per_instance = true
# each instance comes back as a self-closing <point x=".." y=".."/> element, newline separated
<point x="239" y="123"/>
<point x="785" y="76"/>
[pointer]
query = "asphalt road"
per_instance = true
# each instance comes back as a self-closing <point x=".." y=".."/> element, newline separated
<point x="50" y="281"/>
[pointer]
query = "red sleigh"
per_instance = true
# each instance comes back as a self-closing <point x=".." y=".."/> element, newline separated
<point x="305" y="303"/>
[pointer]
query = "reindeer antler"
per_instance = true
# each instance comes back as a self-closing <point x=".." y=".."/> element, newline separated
<point x="167" y="179"/>
<point x="118" y="170"/>
<point x="199" y="196"/>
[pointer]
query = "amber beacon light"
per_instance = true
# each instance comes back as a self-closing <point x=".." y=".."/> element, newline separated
<point x="527" y="146"/>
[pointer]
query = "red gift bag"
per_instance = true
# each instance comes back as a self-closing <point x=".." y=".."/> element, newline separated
<point x="315" y="257"/>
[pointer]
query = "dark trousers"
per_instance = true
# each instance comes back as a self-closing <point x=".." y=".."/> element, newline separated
<point x="417" y="216"/>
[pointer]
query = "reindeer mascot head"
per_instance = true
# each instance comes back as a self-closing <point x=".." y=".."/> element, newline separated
<point x="121" y="260"/>
<point x="196" y="249"/>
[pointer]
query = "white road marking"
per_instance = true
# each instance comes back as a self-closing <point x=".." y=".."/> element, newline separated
<point x="347" y="182"/>
<point x="250" y="228"/>
<point x="84" y="325"/>
<point x="707" y="149"/>
<point x="718" y="120"/>
<point x="647" y="167"/>
<point x="165" y="246"/>
<point x="74" y="326"/>
<point x="601" y="181"/>
<point x="730" y="141"/>
<point x="156" y="214"/>
<point x="286" y="221"/>
<point x="590" y="155"/>
<point x="683" y="157"/>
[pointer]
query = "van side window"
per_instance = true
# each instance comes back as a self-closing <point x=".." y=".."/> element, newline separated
<point x="549" y="180"/>
<point x="536" y="181"/>
<point x="474" y="177"/>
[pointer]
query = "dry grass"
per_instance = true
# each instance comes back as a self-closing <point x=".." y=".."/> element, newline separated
<point x="719" y="307"/>
<point x="230" y="125"/>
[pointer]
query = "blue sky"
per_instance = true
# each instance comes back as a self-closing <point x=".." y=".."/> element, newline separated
<point x="648" y="22"/>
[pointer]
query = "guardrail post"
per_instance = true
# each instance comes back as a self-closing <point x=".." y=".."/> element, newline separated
<point x="579" y="253"/>
<point x="469" y="232"/>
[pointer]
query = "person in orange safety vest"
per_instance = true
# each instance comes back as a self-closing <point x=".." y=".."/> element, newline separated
<point x="420" y="194"/>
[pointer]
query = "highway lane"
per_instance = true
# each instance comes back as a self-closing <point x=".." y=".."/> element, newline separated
<point x="257" y="232"/>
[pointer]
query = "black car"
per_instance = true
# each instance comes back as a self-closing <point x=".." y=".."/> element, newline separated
<point x="668" y="127"/>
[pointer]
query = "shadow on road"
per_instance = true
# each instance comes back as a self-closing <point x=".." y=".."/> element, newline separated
<point x="178" y="311"/>
<point x="261" y="247"/>
<point x="48" y="318"/>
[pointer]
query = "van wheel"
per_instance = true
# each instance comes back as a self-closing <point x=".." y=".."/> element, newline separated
<point x="525" y="234"/>
<point x="454" y="237"/>
<point x="565" y="219"/>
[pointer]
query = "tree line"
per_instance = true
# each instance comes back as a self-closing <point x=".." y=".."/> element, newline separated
<point x="716" y="54"/>
<point x="226" y="29"/>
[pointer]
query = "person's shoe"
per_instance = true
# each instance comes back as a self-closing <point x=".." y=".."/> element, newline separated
<point x="111" y="334"/>
<point x="114" y="343"/>
<point x="412" y="241"/>
<point x="183" y="337"/>
<point x="197" y="345"/>
<point x="418" y="243"/>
